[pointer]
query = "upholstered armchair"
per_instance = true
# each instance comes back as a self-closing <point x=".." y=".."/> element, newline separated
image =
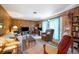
<point x="63" y="45"/>
<point x="48" y="35"/>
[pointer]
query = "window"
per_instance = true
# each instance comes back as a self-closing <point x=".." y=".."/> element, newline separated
<point x="52" y="24"/>
<point x="44" y="25"/>
<point x="55" y="24"/>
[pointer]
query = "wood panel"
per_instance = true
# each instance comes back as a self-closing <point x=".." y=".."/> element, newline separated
<point x="24" y="23"/>
<point x="76" y="11"/>
<point x="6" y="20"/>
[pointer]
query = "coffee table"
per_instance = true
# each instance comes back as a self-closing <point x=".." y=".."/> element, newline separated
<point x="28" y="43"/>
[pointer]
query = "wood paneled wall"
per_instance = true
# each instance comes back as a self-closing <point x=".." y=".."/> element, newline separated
<point x="24" y="23"/>
<point x="6" y="20"/>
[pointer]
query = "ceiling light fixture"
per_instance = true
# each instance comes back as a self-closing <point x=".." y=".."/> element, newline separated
<point x="34" y="12"/>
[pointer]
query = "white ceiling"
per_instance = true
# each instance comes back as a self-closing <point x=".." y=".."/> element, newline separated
<point x="25" y="11"/>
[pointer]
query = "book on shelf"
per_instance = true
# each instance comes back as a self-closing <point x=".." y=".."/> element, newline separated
<point x="75" y="19"/>
<point x="75" y="34"/>
<point x="73" y="28"/>
<point x="76" y="24"/>
<point x="77" y="28"/>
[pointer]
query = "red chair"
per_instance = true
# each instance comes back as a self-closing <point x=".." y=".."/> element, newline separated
<point x="64" y="44"/>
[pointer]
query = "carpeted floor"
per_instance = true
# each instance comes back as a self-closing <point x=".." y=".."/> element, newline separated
<point x="39" y="46"/>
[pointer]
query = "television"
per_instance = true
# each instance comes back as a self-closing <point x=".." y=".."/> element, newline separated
<point x="40" y="29"/>
<point x="24" y="28"/>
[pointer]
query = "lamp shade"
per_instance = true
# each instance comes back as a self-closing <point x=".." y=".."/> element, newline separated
<point x="1" y="26"/>
<point x="15" y="27"/>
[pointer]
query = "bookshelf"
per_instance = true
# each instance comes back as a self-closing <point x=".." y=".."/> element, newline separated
<point x="75" y="29"/>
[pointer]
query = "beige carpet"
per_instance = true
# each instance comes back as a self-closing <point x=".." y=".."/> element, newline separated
<point x="38" y="48"/>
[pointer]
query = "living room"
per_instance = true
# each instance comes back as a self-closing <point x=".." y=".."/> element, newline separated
<point x="38" y="29"/>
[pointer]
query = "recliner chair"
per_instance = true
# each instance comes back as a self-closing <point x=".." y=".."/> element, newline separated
<point x="48" y="35"/>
